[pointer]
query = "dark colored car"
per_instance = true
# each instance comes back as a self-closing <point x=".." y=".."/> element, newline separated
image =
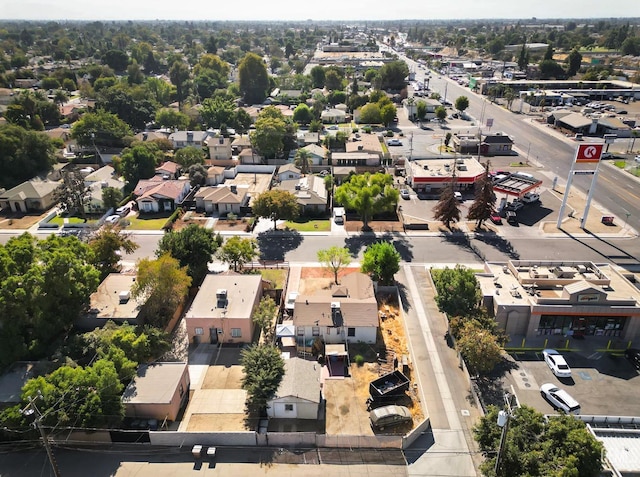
<point x="633" y="355"/>
<point x="496" y="219"/>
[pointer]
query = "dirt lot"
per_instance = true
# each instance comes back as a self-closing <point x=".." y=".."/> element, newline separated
<point x="10" y="220"/>
<point x="221" y="377"/>
<point x="218" y="423"/>
<point x="375" y="225"/>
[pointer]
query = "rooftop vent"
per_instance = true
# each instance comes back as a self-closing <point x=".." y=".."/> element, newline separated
<point x="124" y="296"/>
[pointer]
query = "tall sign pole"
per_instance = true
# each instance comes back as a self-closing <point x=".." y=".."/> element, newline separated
<point x="594" y="180"/>
<point x="585" y="153"/>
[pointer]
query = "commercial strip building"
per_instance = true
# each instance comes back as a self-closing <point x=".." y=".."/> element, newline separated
<point x="545" y="298"/>
<point x="431" y="175"/>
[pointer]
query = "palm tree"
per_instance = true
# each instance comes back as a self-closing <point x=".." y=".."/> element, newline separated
<point x="60" y="97"/>
<point x="303" y="161"/>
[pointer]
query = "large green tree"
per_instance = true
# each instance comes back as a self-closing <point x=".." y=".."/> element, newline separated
<point x="170" y="118"/>
<point x="574" y="61"/>
<point x="393" y="75"/>
<point x="179" y="75"/>
<point x="264" y="316"/>
<point x="23" y="155"/>
<point x="107" y="245"/>
<point x="462" y="103"/>
<point x="254" y="79"/>
<point x="276" y="204"/>
<point x="479" y="347"/>
<point x="368" y="194"/>
<point x="190" y="155"/>
<point x="160" y="286"/>
<point x="193" y="247"/>
<point x="536" y="446"/>
<point x="217" y="111"/>
<point x="140" y="161"/>
<point x="458" y="291"/>
<point x="100" y="129"/>
<point x="238" y="251"/>
<point x="263" y="371"/>
<point x="381" y="260"/>
<point x="272" y="134"/>
<point x="43" y="286"/>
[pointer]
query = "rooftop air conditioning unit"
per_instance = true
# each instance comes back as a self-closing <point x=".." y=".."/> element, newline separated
<point x="221" y="294"/>
<point x="335" y="305"/>
<point x="124" y="296"/>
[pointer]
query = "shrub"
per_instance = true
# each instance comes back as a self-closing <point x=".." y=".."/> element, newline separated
<point x="359" y="359"/>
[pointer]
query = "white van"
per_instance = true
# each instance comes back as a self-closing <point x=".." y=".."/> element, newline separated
<point x="338" y="215"/>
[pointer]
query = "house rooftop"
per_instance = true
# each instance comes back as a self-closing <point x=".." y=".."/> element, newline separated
<point x="240" y="289"/>
<point x="301" y="379"/>
<point x="154" y="383"/>
<point x="106" y="301"/>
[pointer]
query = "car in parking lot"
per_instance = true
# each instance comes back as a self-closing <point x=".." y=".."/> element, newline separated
<point x="123" y="211"/>
<point x="112" y="219"/>
<point x="511" y="217"/>
<point x="496" y="219"/>
<point x="394" y="142"/>
<point x="389" y="416"/>
<point x="530" y="198"/>
<point x="515" y="205"/>
<point x="559" y="398"/>
<point x="556" y="363"/>
<point x="404" y="193"/>
<point x="633" y="355"/>
<point x="458" y="196"/>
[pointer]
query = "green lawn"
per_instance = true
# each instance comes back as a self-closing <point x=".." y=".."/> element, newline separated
<point x="59" y="220"/>
<point x="620" y="164"/>
<point x="310" y="226"/>
<point x="275" y="276"/>
<point x="146" y="222"/>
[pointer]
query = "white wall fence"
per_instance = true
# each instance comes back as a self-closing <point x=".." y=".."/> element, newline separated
<point x="179" y="439"/>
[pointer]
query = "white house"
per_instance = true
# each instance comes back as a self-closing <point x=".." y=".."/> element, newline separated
<point x="344" y="313"/>
<point x="299" y="395"/>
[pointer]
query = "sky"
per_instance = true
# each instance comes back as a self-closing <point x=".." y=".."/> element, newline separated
<point x="295" y="10"/>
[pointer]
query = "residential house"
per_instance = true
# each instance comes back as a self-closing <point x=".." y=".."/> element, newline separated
<point x="222" y="199"/>
<point x="31" y="196"/>
<point x="221" y="311"/>
<point x="310" y="192"/>
<point x="97" y="181"/>
<point x="496" y="144"/>
<point x="219" y="148"/>
<point x="333" y="116"/>
<point x="148" y="136"/>
<point x="168" y="170"/>
<point x="241" y="143"/>
<point x="306" y="138"/>
<point x="215" y="176"/>
<point x="248" y="156"/>
<point x="355" y="159"/>
<point x="289" y="172"/>
<point x="368" y="143"/>
<point x="317" y="154"/>
<point x="182" y="139"/>
<point x="111" y="301"/>
<point x="157" y="195"/>
<point x="157" y="391"/>
<point x="299" y="395"/>
<point x="347" y="312"/>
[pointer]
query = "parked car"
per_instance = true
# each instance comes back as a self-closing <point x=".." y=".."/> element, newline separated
<point x="530" y="198"/>
<point x="556" y="363"/>
<point x="637" y="159"/>
<point x="511" y="217"/>
<point x="112" y="219"/>
<point x="559" y="398"/>
<point x="123" y="211"/>
<point x="515" y="205"/>
<point x="458" y="196"/>
<point x="496" y="219"/>
<point x="404" y="193"/>
<point x="394" y="142"/>
<point x="388" y="416"/>
<point x="633" y="355"/>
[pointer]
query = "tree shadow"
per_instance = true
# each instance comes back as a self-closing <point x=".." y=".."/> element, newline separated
<point x="357" y="243"/>
<point x="617" y="259"/>
<point x="404" y="296"/>
<point x="275" y="244"/>
<point x="490" y="387"/>
<point x="499" y="243"/>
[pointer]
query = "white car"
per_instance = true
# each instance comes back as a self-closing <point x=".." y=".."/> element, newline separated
<point x="404" y="193"/>
<point x="556" y="363"/>
<point x="394" y="142"/>
<point x="112" y="219"/>
<point x="458" y="196"/>
<point x="559" y="398"/>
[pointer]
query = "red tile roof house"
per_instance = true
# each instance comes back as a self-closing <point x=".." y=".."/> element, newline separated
<point x="157" y="195"/>
<point x="168" y="170"/>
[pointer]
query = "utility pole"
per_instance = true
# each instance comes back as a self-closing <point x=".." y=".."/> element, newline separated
<point x="504" y="417"/>
<point x="32" y="409"/>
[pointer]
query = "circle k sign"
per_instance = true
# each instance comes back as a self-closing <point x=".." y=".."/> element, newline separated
<point x="589" y="152"/>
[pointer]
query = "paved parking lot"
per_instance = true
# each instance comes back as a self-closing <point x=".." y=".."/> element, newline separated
<point x="602" y="384"/>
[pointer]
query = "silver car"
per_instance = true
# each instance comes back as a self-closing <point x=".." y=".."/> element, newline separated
<point x="388" y="416"/>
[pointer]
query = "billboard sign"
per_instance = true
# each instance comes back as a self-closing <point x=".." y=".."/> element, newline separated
<point x="489" y="122"/>
<point x="589" y="153"/>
